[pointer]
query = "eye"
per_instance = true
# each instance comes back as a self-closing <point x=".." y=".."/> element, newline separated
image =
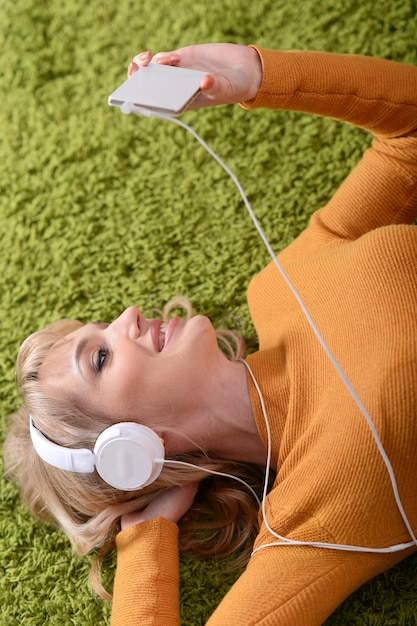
<point x="100" y="359"/>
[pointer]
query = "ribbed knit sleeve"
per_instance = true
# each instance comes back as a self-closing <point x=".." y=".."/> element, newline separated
<point x="146" y="586"/>
<point x="375" y="94"/>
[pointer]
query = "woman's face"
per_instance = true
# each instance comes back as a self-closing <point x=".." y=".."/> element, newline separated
<point x="135" y="368"/>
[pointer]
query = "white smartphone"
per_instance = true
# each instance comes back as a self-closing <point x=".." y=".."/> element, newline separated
<point x="162" y="88"/>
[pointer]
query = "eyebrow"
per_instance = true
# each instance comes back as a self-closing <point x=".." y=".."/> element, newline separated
<point x="78" y="354"/>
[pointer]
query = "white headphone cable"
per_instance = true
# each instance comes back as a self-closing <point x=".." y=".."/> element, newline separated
<point x="215" y="473"/>
<point x="129" y="107"/>
<point x="285" y="540"/>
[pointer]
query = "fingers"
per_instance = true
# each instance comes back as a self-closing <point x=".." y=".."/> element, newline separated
<point x="167" y="58"/>
<point x="140" y="60"/>
<point x="132" y="69"/>
<point x="144" y="58"/>
<point x="190" y="491"/>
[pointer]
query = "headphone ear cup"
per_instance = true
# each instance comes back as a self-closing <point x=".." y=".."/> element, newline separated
<point x="129" y="456"/>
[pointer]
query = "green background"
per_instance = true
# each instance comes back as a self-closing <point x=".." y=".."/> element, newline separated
<point x="99" y="211"/>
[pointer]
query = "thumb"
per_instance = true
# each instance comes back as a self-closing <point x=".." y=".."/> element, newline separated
<point x="207" y="85"/>
<point x="223" y="88"/>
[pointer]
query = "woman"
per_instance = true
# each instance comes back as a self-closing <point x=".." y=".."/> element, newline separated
<point x="354" y="267"/>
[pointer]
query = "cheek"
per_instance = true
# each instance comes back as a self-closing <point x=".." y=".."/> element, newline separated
<point x="124" y="390"/>
<point x="115" y="397"/>
<point x="138" y="389"/>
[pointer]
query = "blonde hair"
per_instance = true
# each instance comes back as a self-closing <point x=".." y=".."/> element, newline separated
<point x="222" y="521"/>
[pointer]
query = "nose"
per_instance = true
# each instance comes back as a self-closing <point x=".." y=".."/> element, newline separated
<point x="128" y="322"/>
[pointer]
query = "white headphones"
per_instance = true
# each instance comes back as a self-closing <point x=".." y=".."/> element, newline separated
<point x="127" y="456"/>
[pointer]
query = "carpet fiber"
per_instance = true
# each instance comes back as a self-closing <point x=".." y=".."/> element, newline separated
<point x="99" y="211"/>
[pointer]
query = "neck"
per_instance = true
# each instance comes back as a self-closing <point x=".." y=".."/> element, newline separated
<point x="224" y="424"/>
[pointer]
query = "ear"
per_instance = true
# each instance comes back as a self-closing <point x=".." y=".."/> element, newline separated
<point x="169" y="441"/>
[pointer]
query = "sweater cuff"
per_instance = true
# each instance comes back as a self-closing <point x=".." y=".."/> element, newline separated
<point x="127" y="539"/>
<point x="268" y="60"/>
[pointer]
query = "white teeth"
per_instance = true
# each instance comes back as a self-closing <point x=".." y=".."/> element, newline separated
<point x="162" y="332"/>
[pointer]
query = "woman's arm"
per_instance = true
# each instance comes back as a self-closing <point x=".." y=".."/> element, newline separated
<point x="372" y="93"/>
<point x="281" y="585"/>
<point x="375" y="94"/>
<point x="146" y="586"/>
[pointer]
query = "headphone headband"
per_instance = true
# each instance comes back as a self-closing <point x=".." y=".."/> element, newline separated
<point x="128" y="456"/>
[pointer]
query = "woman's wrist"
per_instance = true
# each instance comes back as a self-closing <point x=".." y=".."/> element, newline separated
<point x="256" y="74"/>
<point x="133" y="519"/>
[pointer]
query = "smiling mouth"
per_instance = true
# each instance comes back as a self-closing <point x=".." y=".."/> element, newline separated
<point x="166" y="330"/>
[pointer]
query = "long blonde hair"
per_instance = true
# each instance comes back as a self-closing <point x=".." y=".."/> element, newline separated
<point x="222" y="521"/>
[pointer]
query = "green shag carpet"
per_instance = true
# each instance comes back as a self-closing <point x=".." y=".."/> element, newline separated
<point x="99" y="211"/>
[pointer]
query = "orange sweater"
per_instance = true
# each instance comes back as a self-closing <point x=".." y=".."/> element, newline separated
<point x="355" y="267"/>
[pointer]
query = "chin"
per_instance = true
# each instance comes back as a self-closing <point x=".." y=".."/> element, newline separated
<point x="202" y="330"/>
<point x="202" y="323"/>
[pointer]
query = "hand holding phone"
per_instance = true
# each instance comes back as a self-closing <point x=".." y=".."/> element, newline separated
<point x="233" y="73"/>
<point x="161" y="88"/>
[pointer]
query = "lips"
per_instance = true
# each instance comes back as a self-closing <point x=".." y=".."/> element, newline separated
<point x="170" y="328"/>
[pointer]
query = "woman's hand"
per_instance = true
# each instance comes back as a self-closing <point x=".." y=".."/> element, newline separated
<point x="234" y="73"/>
<point x="171" y="505"/>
